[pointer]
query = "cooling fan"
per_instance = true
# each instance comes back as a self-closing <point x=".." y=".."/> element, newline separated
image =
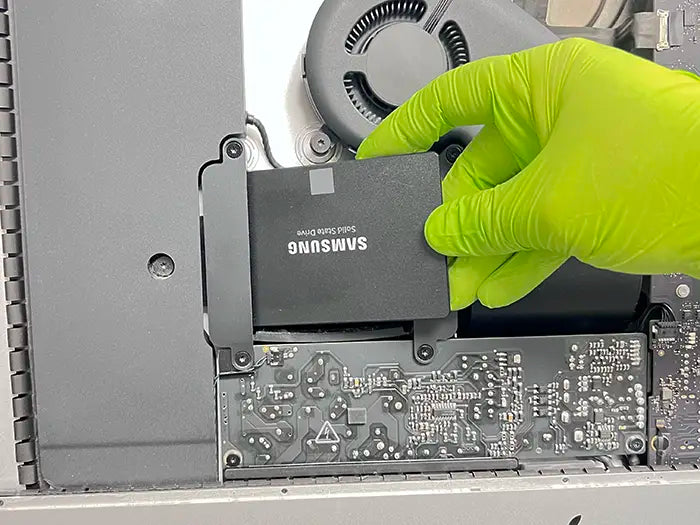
<point x="364" y="58"/>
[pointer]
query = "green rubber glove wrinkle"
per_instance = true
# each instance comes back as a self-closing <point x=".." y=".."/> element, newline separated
<point x="587" y="151"/>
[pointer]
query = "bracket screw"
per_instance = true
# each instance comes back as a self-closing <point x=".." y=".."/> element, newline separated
<point x="320" y="143"/>
<point x="425" y="354"/>
<point x="234" y="149"/>
<point x="453" y="152"/>
<point x="242" y="359"/>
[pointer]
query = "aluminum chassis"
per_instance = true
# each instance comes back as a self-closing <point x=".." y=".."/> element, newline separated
<point x="608" y="498"/>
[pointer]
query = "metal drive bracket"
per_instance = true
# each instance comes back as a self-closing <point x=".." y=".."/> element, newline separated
<point x="426" y="334"/>
<point x="226" y="258"/>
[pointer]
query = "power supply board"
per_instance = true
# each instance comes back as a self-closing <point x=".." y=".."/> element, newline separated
<point x="674" y="406"/>
<point x="530" y="398"/>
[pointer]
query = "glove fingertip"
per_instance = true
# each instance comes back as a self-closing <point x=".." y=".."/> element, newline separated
<point x="493" y="300"/>
<point x="365" y="151"/>
<point x="434" y="229"/>
<point x="460" y="302"/>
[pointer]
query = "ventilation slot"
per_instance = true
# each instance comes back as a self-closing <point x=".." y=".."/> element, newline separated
<point x="455" y="45"/>
<point x="364" y="99"/>
<point x="380" y="16"/>
<point x="13" y="265"/>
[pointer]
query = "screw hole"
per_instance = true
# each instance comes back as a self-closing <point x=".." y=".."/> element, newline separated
<point x="284" y="491"/>
<point x="565" y="480"/>
<point x="161" y="266"/>
<point x="575" y="520"/>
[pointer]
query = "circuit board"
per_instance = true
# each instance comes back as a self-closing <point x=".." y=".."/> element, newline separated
<point x="541" y="397"/>
<point x="674" y="406"/>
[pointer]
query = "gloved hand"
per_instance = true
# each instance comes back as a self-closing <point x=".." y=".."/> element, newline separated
<point x="587" y="151"/>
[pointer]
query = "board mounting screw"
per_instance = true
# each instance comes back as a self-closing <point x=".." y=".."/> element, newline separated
<point x="242" y="359"/>
<point x="234" y="149"/>
<point x="232" y="459"/>
<point x="635" y="444"/>
<point x="425" y="354"/>
<point x="683" y="291"/>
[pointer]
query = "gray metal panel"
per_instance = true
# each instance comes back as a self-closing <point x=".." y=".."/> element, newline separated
<point x="120" y="104"/>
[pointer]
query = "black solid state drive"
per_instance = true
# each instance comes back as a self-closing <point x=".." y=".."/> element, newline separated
<point x="343" y="243"/>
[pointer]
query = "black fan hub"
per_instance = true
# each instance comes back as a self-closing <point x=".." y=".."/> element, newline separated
<point x="401" y="59"/>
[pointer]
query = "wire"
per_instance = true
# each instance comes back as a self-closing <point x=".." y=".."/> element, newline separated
<point x="623" y="5"/>
<point x="596" y="15"/>
<point x="601" y="9"/>
<point x="666" y="315"/>
<point x="605" y="460"/>
<point x="252" y="121"/>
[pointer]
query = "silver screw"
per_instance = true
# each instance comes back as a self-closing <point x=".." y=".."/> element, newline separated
<point x="683" y="291"/>
<point x="320" y="143"/>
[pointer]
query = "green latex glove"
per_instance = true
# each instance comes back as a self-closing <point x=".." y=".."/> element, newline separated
<point x="586" y="151"/>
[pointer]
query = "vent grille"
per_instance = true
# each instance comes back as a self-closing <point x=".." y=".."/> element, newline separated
<point x="378" y="17"/>
<point x="364" y="99"/>
<point x="455" y="44"/>
<point x="13" y="266"/>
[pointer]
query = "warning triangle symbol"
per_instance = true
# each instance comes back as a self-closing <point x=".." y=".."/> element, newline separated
<point x="327" y="436"/>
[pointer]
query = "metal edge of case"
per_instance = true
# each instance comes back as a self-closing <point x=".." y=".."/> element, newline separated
<point x="11" y="221"/>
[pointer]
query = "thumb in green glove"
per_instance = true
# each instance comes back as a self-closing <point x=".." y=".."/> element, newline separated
<point x="586" y="151"/>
